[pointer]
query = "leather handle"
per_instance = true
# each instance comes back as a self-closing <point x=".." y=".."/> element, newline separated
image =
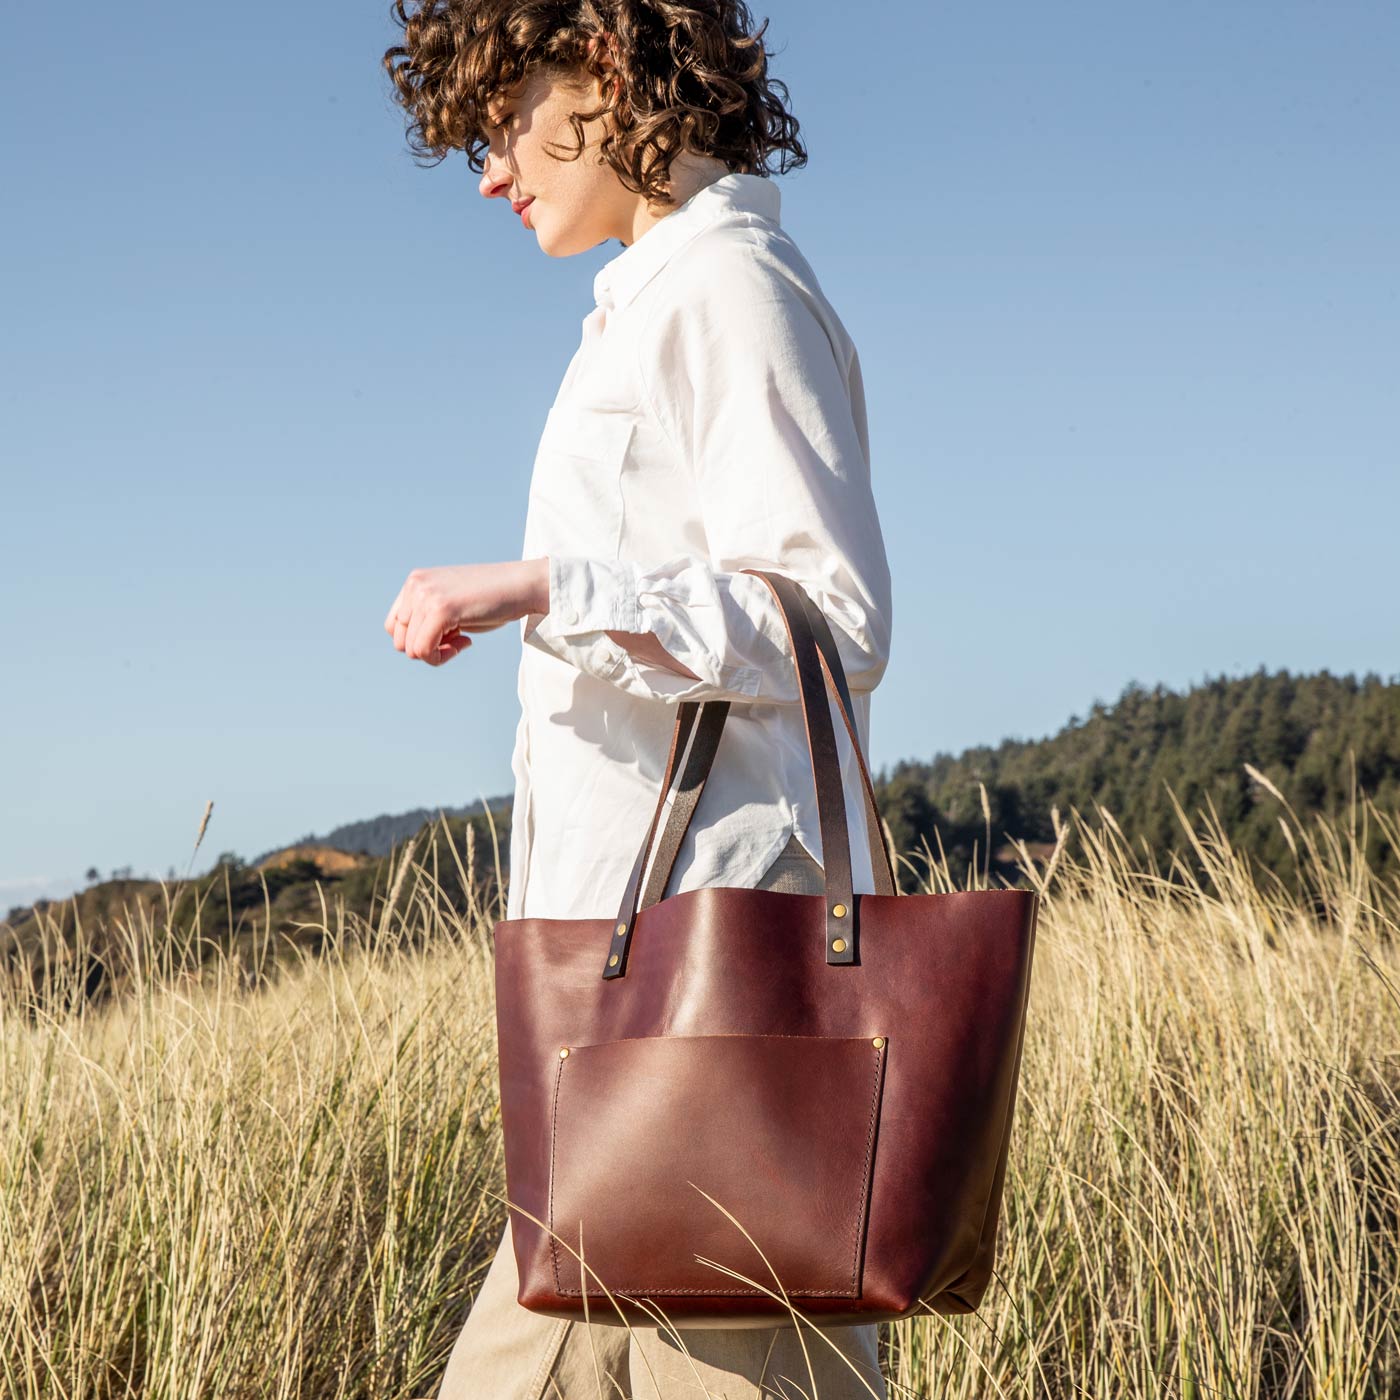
<point x="681" y="812"/>
<point x="688" y="784"/>
<point x="817" y="662"/>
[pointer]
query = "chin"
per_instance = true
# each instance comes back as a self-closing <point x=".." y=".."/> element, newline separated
<point x="559" y="247"/>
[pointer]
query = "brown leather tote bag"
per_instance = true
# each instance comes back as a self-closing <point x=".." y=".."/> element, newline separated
<point x="727" y="1100"/>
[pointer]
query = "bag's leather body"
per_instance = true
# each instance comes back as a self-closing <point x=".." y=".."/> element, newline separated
<point x="837" y="1071"/>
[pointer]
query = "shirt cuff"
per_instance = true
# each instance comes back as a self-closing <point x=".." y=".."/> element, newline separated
<point x="587" y="595"/>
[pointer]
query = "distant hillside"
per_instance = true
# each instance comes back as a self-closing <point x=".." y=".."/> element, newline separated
<point x="1300" y="732"/>
<point x="377" y="836"/>
<point x="1312" y="737"/>
<point x="258" y="912"/>
<point x="1303" y="733"/>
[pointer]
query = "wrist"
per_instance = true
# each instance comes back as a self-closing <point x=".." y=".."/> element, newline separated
<point x="539" y="580"/>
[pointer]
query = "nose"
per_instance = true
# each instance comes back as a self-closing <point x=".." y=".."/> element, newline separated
<point x="495" y="181"/>
<point x="497" y="177"/>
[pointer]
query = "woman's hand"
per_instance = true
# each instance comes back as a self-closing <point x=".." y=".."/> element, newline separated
<point x="436" y="607"/>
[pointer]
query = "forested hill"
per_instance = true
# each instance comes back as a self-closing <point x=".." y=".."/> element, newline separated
<point x="1303" y="733"/>
<point x="377" y="836"/>
<point x="1312" y="737"/>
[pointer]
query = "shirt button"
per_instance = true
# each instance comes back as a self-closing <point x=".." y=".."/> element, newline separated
<point x="567" y="615"/>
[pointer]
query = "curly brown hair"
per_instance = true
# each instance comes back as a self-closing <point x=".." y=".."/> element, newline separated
<point x="676" y="77"/>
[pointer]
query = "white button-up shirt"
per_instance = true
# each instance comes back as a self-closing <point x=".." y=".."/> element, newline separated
<point x="711" y="420"/>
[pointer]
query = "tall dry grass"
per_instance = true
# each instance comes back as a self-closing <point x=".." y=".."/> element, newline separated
<point x="284" y="1180"/>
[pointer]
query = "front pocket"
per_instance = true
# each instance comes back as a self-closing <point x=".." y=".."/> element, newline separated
<point x="779" y="1129"/>
<point x="591" y="435"/>
<point x="574" y="502"/>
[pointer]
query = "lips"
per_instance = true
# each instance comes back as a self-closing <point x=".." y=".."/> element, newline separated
<point x="517" y="205"/>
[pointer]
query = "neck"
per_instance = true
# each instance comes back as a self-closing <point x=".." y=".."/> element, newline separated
<point x="689" y="175"/>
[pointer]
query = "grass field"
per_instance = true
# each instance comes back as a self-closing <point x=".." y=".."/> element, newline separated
<point x="274" y="1179"/>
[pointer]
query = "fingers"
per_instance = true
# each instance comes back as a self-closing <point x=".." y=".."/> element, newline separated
<point x="405" y="619"/>
<point x="426" y="641"/>
<point x="392" y="621"/>
<point x="426" y="630"/>
<point x="423" y="633"/>
<point x="453" y="644"/>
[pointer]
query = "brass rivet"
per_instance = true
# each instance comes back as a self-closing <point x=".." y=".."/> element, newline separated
<point x="621" y="929"/>
<point x="839" y="910"/>
<point x="564" y="1053"/>
<point x="878" y="1041"/>
<point x="838" y="945"/>
<point x="612" y="961"/>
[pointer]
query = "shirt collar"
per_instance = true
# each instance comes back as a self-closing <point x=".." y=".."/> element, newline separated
<point x="622" y="277"/>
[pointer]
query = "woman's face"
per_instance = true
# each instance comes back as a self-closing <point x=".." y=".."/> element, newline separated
<point x="574" y="204"/>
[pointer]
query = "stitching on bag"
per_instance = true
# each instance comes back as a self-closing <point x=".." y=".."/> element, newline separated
<point x="713" y="1035"/>
<point x="861" y="1205"/>
<point x="751" y="1292"/>
<point x="553" y="1138"/>
<point x="863" y="1208"/>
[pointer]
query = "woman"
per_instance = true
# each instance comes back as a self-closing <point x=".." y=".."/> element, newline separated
<point x="711" y="420"/>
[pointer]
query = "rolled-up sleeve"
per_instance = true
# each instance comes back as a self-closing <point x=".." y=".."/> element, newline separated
<point x="761" y="397"/>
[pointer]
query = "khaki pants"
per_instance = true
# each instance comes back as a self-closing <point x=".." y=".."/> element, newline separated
<point x="506" y="1352"/>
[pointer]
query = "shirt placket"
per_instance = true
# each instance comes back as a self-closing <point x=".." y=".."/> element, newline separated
<point x="528" y="850"/>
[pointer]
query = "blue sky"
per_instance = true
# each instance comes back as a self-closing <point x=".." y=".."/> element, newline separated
<point x="1122" y="278"/>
